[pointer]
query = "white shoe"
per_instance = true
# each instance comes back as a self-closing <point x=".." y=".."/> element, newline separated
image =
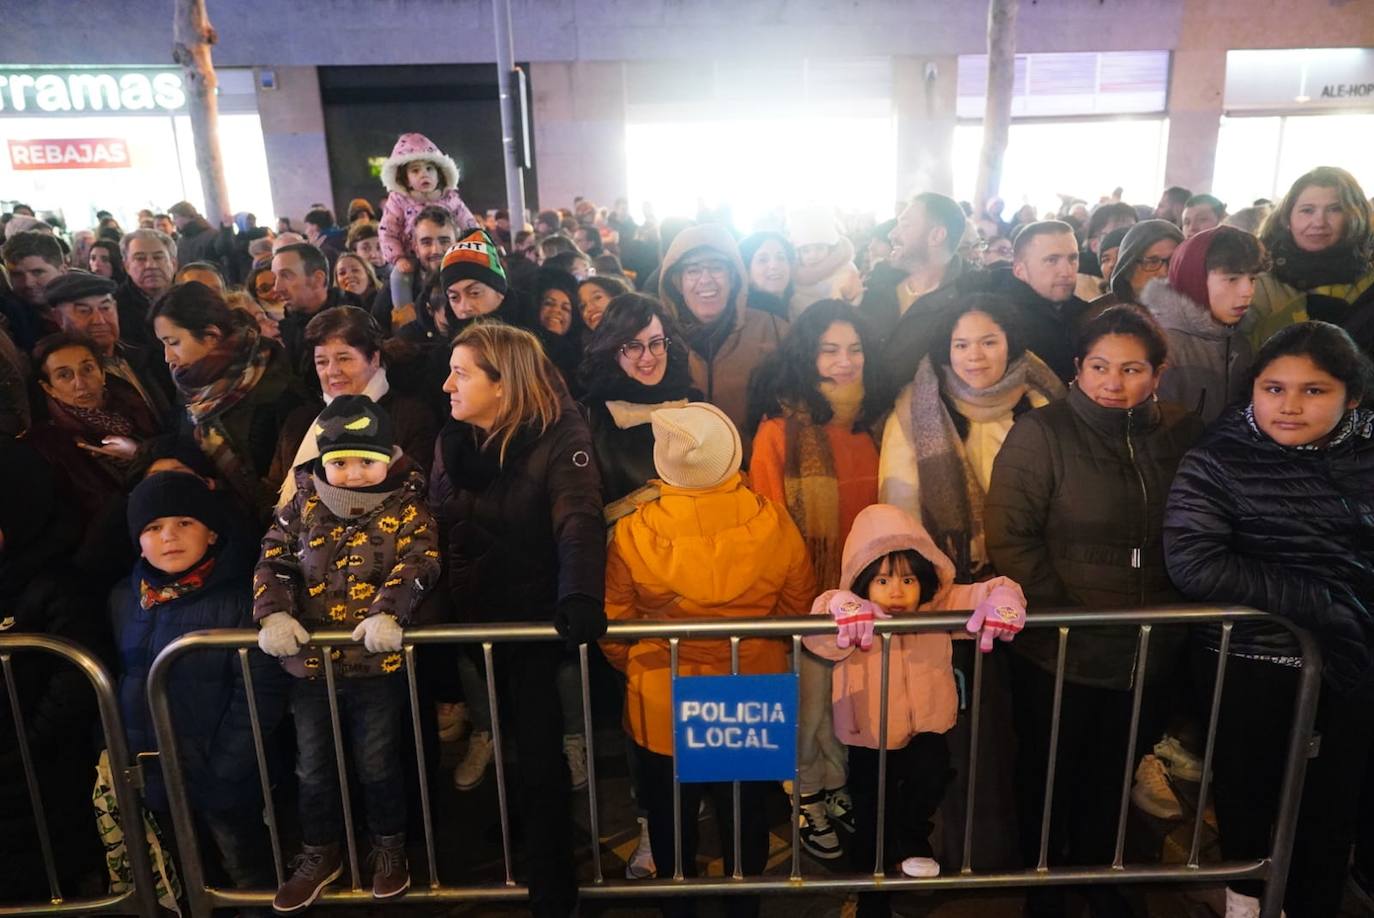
<point x="817" y="834"/>
<point x="453" y="721"/>
<point x="1238" y="906"/>
<point x="575" y="750"/>
<point x="921" y="867"/>
<point x="1151" y="792"/>
<point x="640" y="866"/>
<point x="1182" y="764"/>
<point x="473" y="768"/>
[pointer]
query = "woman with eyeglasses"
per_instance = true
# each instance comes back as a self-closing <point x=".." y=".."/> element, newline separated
<point x="1144" y="255"/>
<point x="636" y="362"/>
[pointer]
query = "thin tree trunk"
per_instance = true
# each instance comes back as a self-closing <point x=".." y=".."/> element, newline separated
<point x="192" y="37"/>
<point x="997" y="114"/>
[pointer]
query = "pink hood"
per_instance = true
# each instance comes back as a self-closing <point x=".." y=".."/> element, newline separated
<point x="409" y="148"/>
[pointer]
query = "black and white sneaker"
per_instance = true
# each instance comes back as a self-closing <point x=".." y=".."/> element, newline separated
<point x="817" y="835"/>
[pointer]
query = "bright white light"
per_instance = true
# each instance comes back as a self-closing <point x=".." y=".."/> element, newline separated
<point x="1085" y="159"/>
<point x="162" y="172"/>
<point x="760" y="167"/>
<point x="1261" y="157"/>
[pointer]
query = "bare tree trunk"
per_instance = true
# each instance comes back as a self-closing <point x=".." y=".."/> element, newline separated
<point x="997" y="115"/>
<point x="192" y="37"/>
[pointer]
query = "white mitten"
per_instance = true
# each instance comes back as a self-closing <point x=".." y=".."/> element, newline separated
<point x="379" y="633"/>
<point x="281" y="635"/>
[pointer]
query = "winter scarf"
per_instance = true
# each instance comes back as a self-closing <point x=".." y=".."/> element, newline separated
<point x="951" y="497"/>
<point x="308" y="450"/>
<point x="156" y="588"/>
<point x="809" y="480"/>
<point x="101" y="423"/>
<point x="1357" y="420"/>
<point x="212" y="386"/>
<point x="1301" y="270"/>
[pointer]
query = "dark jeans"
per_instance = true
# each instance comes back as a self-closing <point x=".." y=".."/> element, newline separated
<point x="1257" y="709"/>
<point x="245" y="852"/>
<point x="371" y="711"/>
<point x="656" y="796"/>
<point x="1094" y="729"/>
<point x="917" y="775"/>
<point x="525" y="677"/>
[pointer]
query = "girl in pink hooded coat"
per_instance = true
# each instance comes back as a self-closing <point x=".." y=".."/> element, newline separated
<point x="415" y="175"/>
<point x="891" y="567"/>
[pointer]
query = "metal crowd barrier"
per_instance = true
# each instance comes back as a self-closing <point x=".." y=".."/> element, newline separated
<point x="141" y="897"/>
<point x="1272" y="869"/>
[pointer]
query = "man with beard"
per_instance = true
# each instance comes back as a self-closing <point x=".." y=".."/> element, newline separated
<point x="151" y="260"/>
<point x="435" y="232"/>
<point x="917" y="280"/>
<point x="31" y="259"/>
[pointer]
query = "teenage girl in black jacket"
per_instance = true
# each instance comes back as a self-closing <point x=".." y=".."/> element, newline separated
<point x="1275" y="509"/>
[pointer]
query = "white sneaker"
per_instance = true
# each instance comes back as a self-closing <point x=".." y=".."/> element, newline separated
<point x="817" y="834"/>
<point x="575" y="750"/>
<point x="1183" y="765"/>
<point x="1151" y="791"/>
<point x="840" y="807"/>
<point x="473" y="768"/>
<point x="640" y="866"/>
<point x="921" y="867"/>
<point x="1238" y="906"/>
<point x="453" y="721"/>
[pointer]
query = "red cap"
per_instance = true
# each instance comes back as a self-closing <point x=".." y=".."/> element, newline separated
<point x="1188" y="267"/>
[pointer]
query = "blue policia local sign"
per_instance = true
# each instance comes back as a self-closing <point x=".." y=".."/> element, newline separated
<point x="735" y="728"/>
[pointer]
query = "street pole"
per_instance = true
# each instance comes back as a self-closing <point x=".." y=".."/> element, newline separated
<point x="512" y="128"/>
<point x="192" y="36"/>
<point x="997" y="114"/>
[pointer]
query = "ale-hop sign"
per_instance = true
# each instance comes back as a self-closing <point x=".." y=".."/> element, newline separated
<point x="735" y="728"/>
<point x="70" y="153"/>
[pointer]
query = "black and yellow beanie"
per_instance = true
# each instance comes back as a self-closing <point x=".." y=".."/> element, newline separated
<point x="354" y="426"/>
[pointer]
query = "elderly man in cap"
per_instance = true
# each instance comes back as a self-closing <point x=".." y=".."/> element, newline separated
<point x="83" y="303"/>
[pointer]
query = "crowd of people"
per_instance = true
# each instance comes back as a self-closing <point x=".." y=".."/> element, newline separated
<point x="433" y="417"/>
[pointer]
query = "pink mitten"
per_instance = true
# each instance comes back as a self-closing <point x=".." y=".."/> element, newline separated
<point x="1000" y="615"/>
<point x="854" y="619"/>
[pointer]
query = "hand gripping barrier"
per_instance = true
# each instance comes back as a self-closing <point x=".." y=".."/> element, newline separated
<point x="1272" y="869"/>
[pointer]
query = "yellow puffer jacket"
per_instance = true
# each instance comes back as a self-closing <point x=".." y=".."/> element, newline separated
<point x="722" y="552"/>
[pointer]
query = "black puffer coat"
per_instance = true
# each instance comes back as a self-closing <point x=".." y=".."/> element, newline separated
<point x="522" y="535"/>
<point x="1074" y="514"/>
<point x="1289" y="531"/>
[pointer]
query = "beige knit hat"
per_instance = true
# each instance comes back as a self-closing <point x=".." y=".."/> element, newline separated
<point x="695" y="446"/>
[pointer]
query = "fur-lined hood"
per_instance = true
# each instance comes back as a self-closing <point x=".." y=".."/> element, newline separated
<point x="408" y="149"/>
<point x="1179" y="312"/>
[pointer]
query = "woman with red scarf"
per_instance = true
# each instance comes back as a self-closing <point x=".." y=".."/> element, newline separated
<point x="96" y="423"/>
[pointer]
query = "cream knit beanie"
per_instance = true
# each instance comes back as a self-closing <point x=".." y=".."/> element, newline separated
<point x="695" y="446"/>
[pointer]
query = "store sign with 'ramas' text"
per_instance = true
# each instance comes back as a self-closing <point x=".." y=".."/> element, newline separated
<point x="66" y="91"/>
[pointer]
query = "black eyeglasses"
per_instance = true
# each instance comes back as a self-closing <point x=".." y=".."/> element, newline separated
<point x="635" y="349"/>
<point x="1153" y="263"/>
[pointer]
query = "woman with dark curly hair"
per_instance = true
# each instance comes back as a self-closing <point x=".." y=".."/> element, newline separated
<point x="814" y="406"/>
<point x="636" y="362"/>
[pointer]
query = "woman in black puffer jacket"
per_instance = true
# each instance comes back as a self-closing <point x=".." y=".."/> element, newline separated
<point x="1275" y="509"/>
<point x="1074" y="514"/>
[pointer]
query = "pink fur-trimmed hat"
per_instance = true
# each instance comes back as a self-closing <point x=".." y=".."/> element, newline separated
<point x="408" y="149"/>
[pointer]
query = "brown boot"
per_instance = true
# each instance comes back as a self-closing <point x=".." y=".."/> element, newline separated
<point x="390" y="870"/>
<point x="312" y="870"/>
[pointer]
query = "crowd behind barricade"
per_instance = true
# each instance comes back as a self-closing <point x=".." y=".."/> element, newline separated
<point x="430" y="417"/>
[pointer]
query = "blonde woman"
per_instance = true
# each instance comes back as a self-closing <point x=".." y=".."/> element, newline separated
<point x="1320" y="240"/>
<point x="518" y="501"/>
